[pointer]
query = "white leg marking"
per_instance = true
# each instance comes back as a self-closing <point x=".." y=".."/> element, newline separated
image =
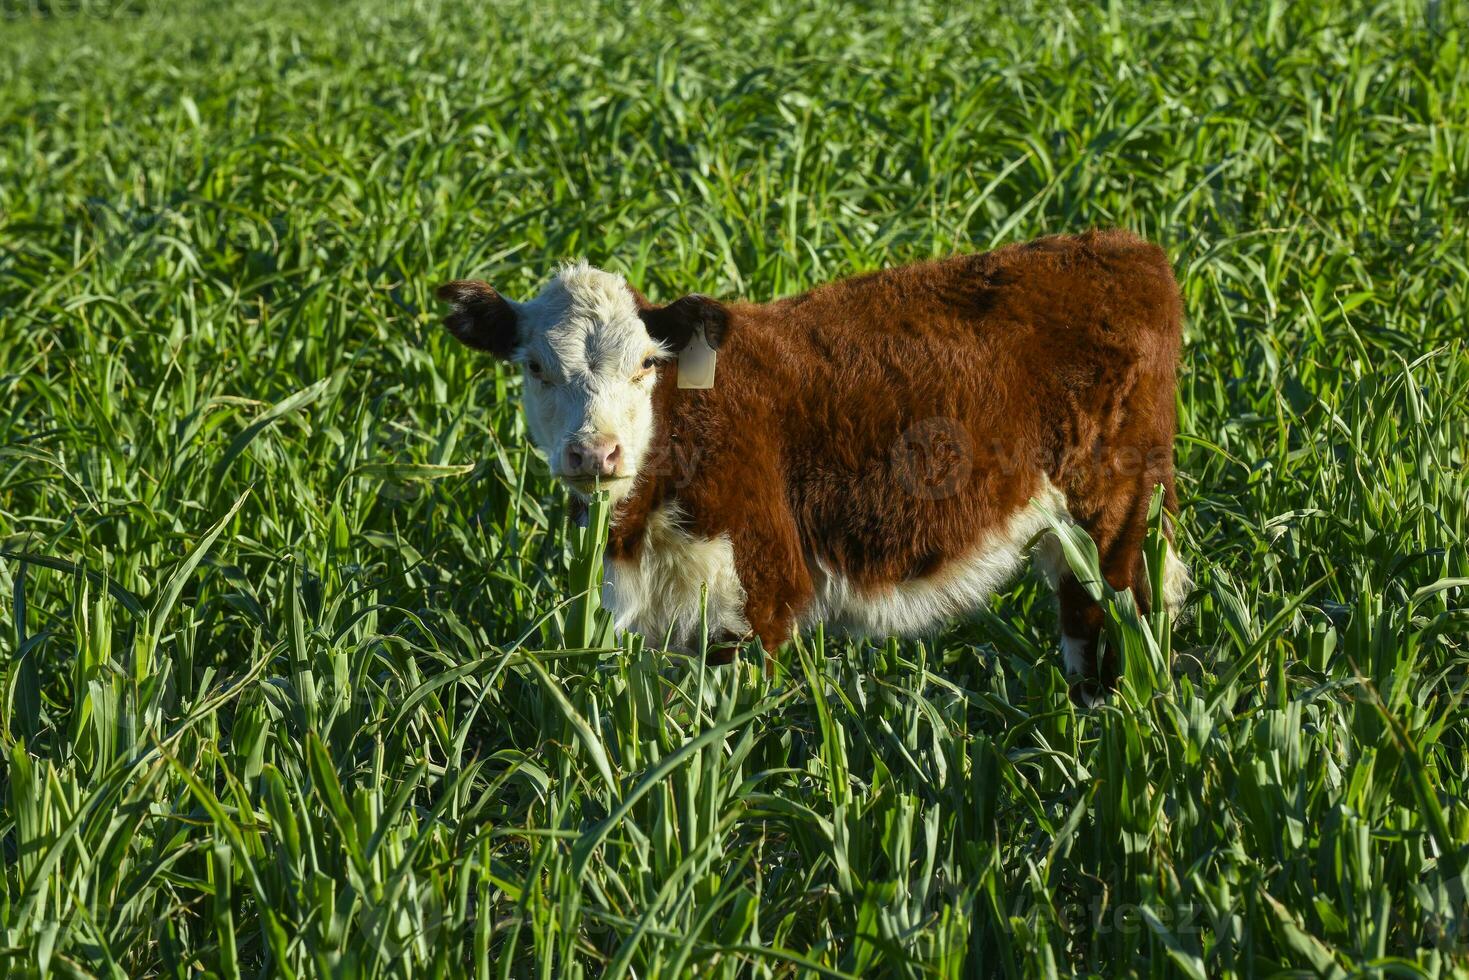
<point x="1050" y="561"/>
<point x="1176" y="582"/>
<point x="1073" y="655"/>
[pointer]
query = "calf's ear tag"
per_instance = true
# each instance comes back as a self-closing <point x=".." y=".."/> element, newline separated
<point x="696" y="362"/>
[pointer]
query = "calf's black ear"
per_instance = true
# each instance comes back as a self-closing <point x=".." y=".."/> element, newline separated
<point x="482" y="318"/>
<point x="674" y="325"/>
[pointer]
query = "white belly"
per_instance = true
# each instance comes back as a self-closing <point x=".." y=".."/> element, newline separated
<point x="660" y="594"/>
<point x="924" y="605"/>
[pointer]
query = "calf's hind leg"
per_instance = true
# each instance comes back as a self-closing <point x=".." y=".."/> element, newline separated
<point x="1118" y="523"/>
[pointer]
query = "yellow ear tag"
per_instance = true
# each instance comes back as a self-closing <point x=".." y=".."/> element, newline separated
<point x="696" y="362"/>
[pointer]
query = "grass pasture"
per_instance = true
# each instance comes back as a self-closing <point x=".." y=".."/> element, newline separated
<point x="294" y="679"/>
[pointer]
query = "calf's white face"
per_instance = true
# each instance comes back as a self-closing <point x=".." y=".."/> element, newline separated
<point x="590" y="366"/>
<point x="589" y="349"/>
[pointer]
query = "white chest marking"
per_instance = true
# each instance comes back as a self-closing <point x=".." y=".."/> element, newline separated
<point x="923" y="605"/>
<point x="658" y="594"/>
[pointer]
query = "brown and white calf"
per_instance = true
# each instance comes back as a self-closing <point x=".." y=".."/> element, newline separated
<point x="869" y="451"/>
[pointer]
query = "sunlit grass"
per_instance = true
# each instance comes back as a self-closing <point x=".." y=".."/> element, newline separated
<point x="302" y="667"/>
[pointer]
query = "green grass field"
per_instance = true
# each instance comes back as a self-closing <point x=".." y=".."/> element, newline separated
<point x="297" y="672"/>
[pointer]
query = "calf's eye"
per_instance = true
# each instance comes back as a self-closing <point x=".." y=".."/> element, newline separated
<point x="648" y="363"/>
